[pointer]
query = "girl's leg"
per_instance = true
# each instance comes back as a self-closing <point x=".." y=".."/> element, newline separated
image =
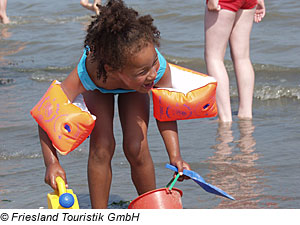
<point x="102" y="145"/>
<point x="134" y="116"/>
<point x="240" y="53"/>
<point x="3" y="16"/>
<point x="91" y="6"/>
<point x="86" y="4"/>
<point x="218" y="26"/>
<point x="96" y="9"/>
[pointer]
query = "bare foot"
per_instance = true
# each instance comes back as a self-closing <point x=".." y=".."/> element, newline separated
<point x="4" y="19"/>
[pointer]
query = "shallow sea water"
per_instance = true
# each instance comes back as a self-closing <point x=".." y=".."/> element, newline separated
<point x="257" y="162"/>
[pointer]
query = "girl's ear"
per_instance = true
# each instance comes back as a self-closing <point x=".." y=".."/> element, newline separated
<point x="108" y="69"/>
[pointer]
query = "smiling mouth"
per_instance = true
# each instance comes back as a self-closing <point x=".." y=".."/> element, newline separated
<point x="149" y="86"/>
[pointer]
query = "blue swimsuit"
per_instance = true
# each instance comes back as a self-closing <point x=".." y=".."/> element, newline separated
<point x="89" y="85"/>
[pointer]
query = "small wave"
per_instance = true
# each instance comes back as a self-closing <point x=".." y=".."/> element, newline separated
<point x="20" y="155"/>
<point x="52" y="69"/>
<point x="48" y="78"/>
<point x="272" y="92"/>
<point x="23" y="20"/>
<point x="47" y="74"/>
<point x="269" y="92"/>
<point x="274" y="68"/>
<point x="63" y="20"/>
<point x="167" y="16"/>
<point x="268" y="68"/>
<point x="190" y="63"/>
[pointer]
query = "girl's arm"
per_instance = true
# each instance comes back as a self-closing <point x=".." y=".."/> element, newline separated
<point x="169" y="131"/>
<point x="53" y="167"/>
<point x="72" y="87"/>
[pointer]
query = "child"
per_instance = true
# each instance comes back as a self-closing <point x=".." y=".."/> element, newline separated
<point x="90" y="6"/>
<point x="229" y="20"/>
<point x="119" y="58"/>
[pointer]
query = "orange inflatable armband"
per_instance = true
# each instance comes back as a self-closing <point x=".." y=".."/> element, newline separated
<point x="193" y="96"/>
<point x="67" y="124"/>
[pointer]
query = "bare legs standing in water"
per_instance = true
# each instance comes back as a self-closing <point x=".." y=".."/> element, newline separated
<point x="3" y="17"/>
<point x="223" y="26"/>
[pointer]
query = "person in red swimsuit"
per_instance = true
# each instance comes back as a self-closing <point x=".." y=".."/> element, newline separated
<point x="231" y="21"/>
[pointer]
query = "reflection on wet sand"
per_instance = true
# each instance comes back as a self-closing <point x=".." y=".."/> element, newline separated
<point x="9" y="48"/>
<point x="233" y="166"/>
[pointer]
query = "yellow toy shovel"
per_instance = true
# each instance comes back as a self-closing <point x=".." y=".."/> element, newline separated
<point x="63" y="198"/>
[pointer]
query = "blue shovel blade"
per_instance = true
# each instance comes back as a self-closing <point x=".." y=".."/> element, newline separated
<point x="199" y="180"/>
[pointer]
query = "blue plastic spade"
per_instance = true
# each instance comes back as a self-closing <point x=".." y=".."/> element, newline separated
<point x="199" y="180"/>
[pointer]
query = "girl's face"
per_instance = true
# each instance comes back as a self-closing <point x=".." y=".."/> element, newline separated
<point x="140" y="71"/>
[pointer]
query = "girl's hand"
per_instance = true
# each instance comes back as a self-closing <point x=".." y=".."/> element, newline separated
<point x="52" y="171"/>
<point x="181" y="165"/>
<point x="213" y="5"/>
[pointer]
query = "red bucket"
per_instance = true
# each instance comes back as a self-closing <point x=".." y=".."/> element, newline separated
<point x="162" y="198"/>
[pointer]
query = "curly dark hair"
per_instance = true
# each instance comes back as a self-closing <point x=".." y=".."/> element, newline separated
<point x="116" y="33"/>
